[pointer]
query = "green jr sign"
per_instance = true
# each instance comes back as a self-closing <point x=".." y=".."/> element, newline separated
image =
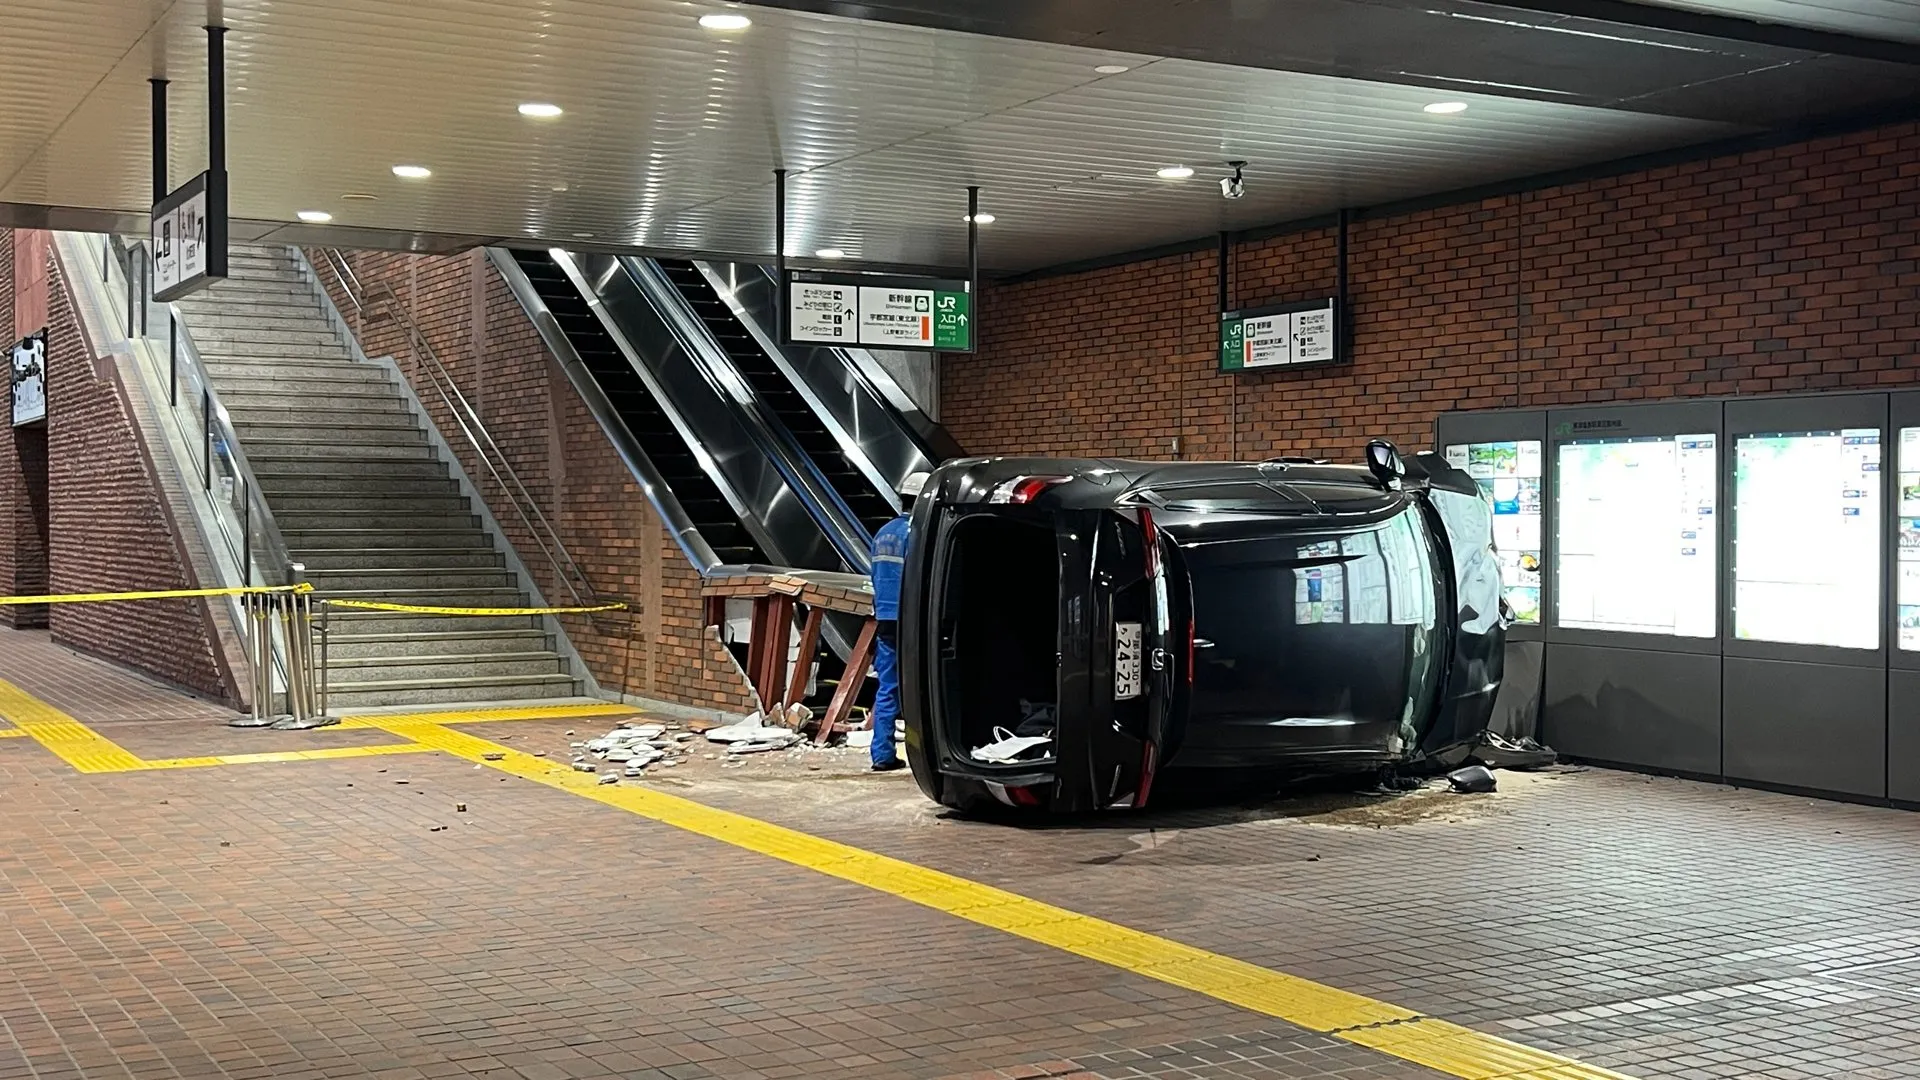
<point x="952" y="321"/>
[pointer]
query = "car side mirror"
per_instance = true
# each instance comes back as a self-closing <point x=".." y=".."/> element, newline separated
<point x="1383" y="460"/>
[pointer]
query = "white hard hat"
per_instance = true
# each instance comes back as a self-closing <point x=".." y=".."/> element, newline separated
<point x="913" y="484"/>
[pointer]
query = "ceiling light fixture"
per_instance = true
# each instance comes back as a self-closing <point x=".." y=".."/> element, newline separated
<point x="1174" y="172"/>
<point x="583" y="236"/>
<point x="359" y="196"/>
<point x="725" y="22"/>
<point x="412" y="172"/>
<point x="830" y="253"/>
<point x="1112" y="69"/>
<point x="1446" y="108"/>
<point x="540" y="110"/>
<point x="315" y="216"/>
<point x="982" y="219"/>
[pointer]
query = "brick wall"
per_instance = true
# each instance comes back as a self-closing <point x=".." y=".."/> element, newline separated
<point x="108" y="531"/>
<point x="1794" y="268"/>
<point x="484" y="338"/>
<point x="23" y="451"/>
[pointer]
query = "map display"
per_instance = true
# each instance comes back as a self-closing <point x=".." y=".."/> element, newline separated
<point x="1907" y="584"/>
<point x="1509" y="474"/>
<point x="1806" y="566"/>
<point x="1635" y="551"/>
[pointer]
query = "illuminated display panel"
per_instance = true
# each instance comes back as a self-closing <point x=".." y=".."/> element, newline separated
<point x="1806" y="567"/>
<point x="1510" y="474"/>
<point x="1635" y="550"/>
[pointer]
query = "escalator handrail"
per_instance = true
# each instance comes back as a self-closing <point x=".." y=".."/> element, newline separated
<point x="653" y="485"/>
<point x="843" y="531"/>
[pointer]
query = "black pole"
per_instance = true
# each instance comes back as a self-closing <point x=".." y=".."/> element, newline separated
<point x="1342" y="324"/>
<point x="973" y="257"/>
<point x="780" y="252"/>
<point x="1226" y="252"/>
<point x="160" y="185"/>
<point x="217" y="99"/>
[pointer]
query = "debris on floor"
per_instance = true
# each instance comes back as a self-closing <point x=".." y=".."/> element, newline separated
<point x="1472" y="780"/>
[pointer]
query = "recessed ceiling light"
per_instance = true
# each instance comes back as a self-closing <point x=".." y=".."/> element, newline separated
<point x="558" y="187"/>
<point x="1174" y="172"/>
<point x="982" y="219"/>
<point x="583" y="236"/>
<point x="725" y="22"/>
<point x="1446" y="108"/>
<point x="315" y="216"/>
<point x="541" y="110"/>
<point x="412" y="172"/>
<point x="359" y="196"/>
<point x="1112" y="69"/>
<point x="830" y="253"/>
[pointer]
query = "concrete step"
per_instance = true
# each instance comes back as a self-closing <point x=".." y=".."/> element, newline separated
<point x="402" y="558"/>
<point x="373" y="522"/>
<point x="342" y="645"/>
<point x="305" y="484"/>
<point x="338" y="537"/>
<point x="239" y="290"/>
<point x="348" y="380"/>
<point x="345" y="696"/>
<point x="303" y="366"/>
<point x="306" y="333"/>
<point x="317" y="408"/>
<point x="347" y="623"/>
<point x="233" y="352"/>
<point x="344" y="669"/>
<point x="450" y="596"/>
<point x="360" y="429"/>
<point x="361" y="451"/>
<point x="391" y="503"/>
<point x="272" y="471"/>
<point x="389" y="579"/>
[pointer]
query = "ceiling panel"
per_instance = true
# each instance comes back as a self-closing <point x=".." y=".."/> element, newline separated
<point x="1893" y="20"/>
<point x="671" y="131"/>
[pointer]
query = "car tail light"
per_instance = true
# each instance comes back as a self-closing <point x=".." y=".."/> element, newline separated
<point x="1022" y="490"/>
<point x="1147" y="762"/>
<point x="1152" y="533"/>
<point x="1022" y="796"/>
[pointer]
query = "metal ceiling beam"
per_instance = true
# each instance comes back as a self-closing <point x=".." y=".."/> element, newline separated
<point x="1648" y="16"/>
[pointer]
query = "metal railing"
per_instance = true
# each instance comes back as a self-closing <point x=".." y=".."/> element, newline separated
<point x="380" y="299"/>
<point x="273" y="626"/>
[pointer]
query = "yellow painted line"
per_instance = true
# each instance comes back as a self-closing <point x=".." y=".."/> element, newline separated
<point x="70" y="740"/>
<point x="1390" y="1029"/>
<point x="487" y="716"/>
<point x="12" y="734"/>
<point x="326" y="754"/>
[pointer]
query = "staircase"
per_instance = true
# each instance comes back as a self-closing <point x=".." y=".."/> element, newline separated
<point x="365" y="502"/>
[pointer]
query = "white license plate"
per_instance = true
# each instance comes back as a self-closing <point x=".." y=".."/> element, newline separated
<point x="1126" y="660"/>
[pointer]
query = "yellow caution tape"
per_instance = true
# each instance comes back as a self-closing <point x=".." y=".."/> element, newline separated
<point x="158" y="594"/>
<point x="421" y="609"/>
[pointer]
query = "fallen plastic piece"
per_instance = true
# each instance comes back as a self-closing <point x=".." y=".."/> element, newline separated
<point x="1007" y="746"/>
<point x="1472" y="780"/>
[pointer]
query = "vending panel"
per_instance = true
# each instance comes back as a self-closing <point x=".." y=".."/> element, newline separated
<point x="1903" y="611"/>
<point x="1806" y="684"/>
<point x="1633" y="672"/>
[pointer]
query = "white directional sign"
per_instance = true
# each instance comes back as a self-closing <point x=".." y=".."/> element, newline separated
<point x="823" y="312"/>
<point x="1287" y="336"/>
<point x="189" y="240"/>
<point x="878" y="310"/>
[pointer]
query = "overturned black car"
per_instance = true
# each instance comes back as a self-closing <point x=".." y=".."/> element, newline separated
<point x="1070" y="628"/>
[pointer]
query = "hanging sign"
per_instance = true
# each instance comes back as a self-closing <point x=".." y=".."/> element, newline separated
<point x="189" y="232"/>
<point x="1287" y="335"/>
<point x="878" y="310"/>
<point x="30" y="379"/>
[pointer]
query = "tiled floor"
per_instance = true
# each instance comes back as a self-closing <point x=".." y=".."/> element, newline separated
<point x="344" y="919"/>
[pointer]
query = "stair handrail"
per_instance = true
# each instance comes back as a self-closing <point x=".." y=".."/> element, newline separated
<point x="363" y="299"/>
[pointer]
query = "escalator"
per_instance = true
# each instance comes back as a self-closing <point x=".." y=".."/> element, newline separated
<point x="866" y="500"/>
<point x="706" y="508"/>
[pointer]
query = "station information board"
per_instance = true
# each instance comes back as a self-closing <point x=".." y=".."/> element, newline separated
<point x="1510" y="475"/>
<point x="1806" y="564"/>
<point x="188" y="230"/>
<point x="1635" y="548"/>
<point x="1907" y="583"/>
<point x="878" y="311"/>
<point x="1286" y="335"/>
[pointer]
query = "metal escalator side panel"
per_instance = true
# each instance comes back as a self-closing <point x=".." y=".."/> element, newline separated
<point x="720" y="435"/>
<point x="782" y="469"/>
<point x="652" y="485"/>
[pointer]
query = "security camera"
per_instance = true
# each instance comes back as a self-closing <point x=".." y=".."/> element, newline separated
<point x="1235" y="186"/>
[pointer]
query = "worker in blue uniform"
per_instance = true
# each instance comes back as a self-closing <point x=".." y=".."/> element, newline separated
<point x="889" y="560"/>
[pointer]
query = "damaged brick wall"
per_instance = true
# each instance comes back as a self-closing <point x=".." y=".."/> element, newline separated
<point x="480" y="333"/>
<point x="1792" y="268"/>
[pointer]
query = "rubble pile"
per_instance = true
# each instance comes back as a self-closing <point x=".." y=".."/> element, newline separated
<point x="631" y="748"/>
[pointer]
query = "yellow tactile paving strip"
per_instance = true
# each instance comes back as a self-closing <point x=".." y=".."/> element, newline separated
<point x="1436" y="1044"/>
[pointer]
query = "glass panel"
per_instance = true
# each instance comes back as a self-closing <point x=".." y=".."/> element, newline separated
<point x="1908" y="586"/>
<point x="1806" y="567"/>
<point x="1509" y="474"/>
<point x="1635" y="547"/>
